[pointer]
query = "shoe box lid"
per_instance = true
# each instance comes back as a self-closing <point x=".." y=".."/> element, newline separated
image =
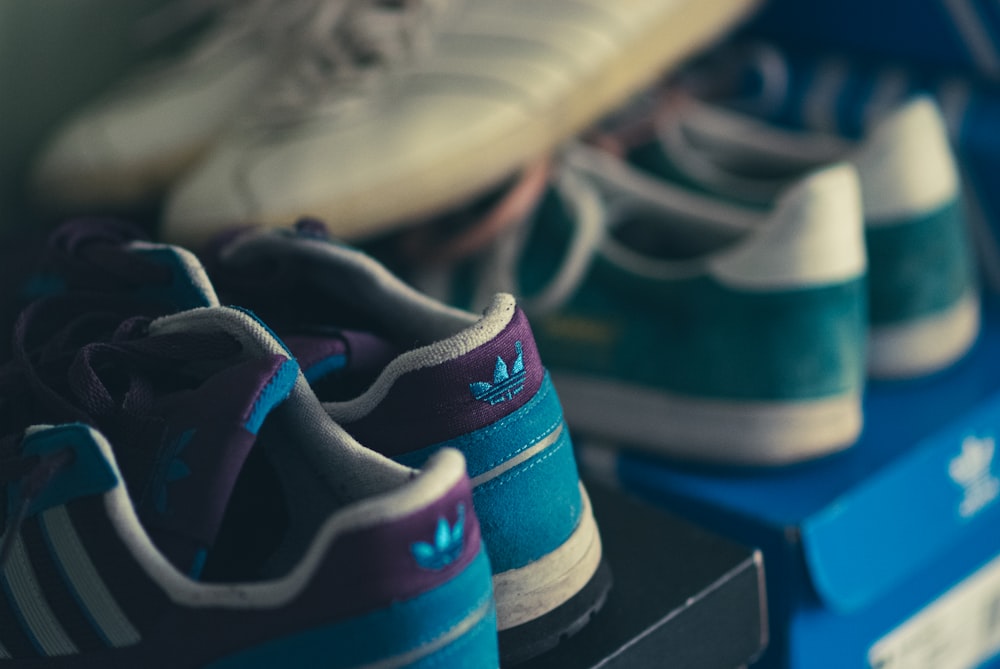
<point x="842" y="532"/>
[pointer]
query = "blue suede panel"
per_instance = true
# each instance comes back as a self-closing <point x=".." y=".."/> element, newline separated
<point x="403" y="627"/>
<point x="473" y="650"/>
<point x="275" y="392"/>
<point x="531" y="509"/>
<point x="494" y="444"/>
<point x="182" y="292"/>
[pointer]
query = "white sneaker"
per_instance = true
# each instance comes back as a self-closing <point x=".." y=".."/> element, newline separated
<point x="130" y="144"/>
<point x="485" y="87"/>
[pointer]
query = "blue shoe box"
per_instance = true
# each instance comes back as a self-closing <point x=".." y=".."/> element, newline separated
<point x="886" y="555"/>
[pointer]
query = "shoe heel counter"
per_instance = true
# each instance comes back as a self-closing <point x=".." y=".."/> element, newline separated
<point x="398" y="591"/>
<point x="524" y="477"/>
<point x="451" y="625"/>
<point x="906" y="164"/>
<point x="813" y="237"/>
<point x="529" y="503"/>
<point x="449" y="389"/>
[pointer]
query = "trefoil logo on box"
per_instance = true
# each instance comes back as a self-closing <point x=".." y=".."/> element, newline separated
<point x="971" y="469"/>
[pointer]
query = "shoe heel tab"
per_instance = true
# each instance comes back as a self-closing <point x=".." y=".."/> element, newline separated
<point x="814" y="236"/>
<point x="906" y="164"/>
<point x="92" y="469"/>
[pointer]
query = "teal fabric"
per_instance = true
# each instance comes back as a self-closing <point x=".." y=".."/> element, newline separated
<point x="531" y="509"/>
<point x="650" y="157"/>
<point x="88" y="474"/>
<point x="468" y="652"/>
<point x="918" y="267"/>
<point x="699" y="338"/>
<point x="403" y="627"/>
<point x="546" y="245"/>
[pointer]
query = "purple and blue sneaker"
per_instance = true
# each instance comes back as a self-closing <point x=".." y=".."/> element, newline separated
<point x="174" y="495"/>
<point x="424" y="377"/>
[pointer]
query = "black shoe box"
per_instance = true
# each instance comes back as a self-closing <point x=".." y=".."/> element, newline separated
<point x="682" y="597"/>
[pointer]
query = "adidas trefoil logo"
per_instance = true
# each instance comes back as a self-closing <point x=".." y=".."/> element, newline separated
<point x="971" y="470"/>
<point x="170" y="468"/>
<point x="506" y="382"/>
<point x="447" y="544"/>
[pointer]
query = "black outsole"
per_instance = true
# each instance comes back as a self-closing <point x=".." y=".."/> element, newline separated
<point x="528" y="640"/>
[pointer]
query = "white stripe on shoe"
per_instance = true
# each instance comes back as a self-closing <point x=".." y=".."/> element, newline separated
<point x="40" y="622"/>
<point x="84" y="581"/>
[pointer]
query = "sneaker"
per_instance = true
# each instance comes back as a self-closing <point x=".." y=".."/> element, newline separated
<point x="844" y="95"/>
<point x="128" y="145"/>
<point x="923" y="290"/>
<point x="205" y="512"/>
<point x="684" y="325"/>
<point x="486" y="88"/>
<point x="429" y="376"/>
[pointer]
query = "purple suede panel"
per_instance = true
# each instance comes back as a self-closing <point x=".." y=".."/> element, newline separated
<point x="364" y="571"/>
<point x="185" y="498"/>
<point x="434" y="404"/>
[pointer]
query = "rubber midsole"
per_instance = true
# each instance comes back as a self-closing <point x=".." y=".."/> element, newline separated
<point x="529" y="592"/>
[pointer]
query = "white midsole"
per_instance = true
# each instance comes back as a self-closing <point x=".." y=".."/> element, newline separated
<point x="926" y="345"/>
<point x="535" y="589"/>
<point x="720" y="431"/>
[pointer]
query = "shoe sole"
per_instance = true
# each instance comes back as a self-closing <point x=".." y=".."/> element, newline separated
<point x="925" y="346"/>
<point x="424" y="188"/>
<point x="525" y="642"/>
<point x="709" y="431"/>
<point x="554" y="596"/>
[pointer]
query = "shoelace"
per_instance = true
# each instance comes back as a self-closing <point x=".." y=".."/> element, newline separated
<point x="441" y="245"/>
<point x="85" y="356"/>
<point x="497" y="235"/>
<point x="343" y="49"/>
<point x="109" y="384"/>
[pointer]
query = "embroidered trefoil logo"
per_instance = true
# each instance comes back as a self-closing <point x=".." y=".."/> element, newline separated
<point x="971" y="469"/>
<point x="170" y="469"/>
<point x="506" y="382"/>
<point x="447" y="544"/>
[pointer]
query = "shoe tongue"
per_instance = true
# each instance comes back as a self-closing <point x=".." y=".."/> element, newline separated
<point x="212" y="429"/>
<point x="340" y="363"/>
<point x="562" y="236"/>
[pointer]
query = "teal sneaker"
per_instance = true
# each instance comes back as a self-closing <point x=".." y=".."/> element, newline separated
<point x="684" y="325"/>
<point x="923" y="293"/>
<point x="410" y="375"/>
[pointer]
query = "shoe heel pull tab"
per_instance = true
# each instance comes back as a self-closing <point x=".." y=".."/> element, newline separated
<point x="73" y="461"/>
